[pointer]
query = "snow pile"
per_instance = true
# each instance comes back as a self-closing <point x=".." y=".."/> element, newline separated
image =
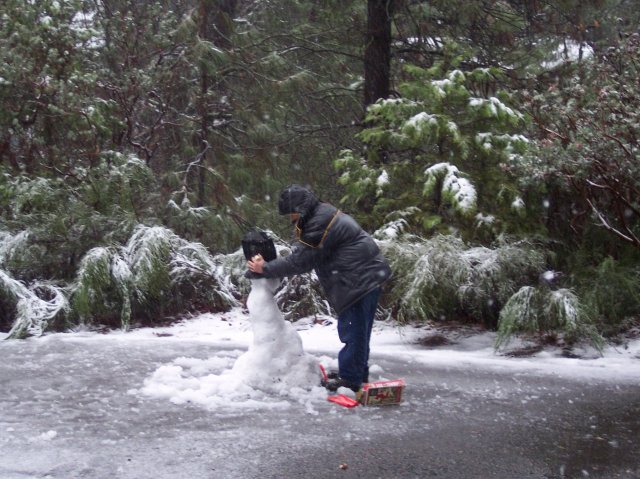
<point x="274" y="368"/>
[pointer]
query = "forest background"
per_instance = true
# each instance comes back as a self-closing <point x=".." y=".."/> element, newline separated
<point x="491" y="147"/>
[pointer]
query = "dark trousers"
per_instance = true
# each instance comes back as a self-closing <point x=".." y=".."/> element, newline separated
<point x="354" y="330"/>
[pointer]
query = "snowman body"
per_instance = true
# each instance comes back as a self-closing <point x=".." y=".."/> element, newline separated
<point x="276" y="360"/>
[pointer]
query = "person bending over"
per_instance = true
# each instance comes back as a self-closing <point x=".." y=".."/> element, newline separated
<point x="351" y="270"/>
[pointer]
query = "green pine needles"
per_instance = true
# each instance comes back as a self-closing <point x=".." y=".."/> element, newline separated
<point x="156" y="274"/>
<point x="540" y="310"/>
<point x="439" y="148"/>
<point x="443" y="278"/>
<point x="611" y="290"/>
<point x="97" y="297"/>
<point x="445" y="179"/>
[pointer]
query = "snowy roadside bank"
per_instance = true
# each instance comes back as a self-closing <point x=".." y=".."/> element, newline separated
<point x="233" y="330"/>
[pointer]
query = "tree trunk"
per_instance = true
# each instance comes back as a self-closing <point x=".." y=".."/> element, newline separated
<point x="377" y="55"/>
<point x="215" y="25"/>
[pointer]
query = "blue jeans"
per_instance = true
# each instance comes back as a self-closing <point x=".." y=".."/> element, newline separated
<point x="354" y="330"/>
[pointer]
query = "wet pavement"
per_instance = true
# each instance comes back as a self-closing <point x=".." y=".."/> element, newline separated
<point x="68" y="409"/>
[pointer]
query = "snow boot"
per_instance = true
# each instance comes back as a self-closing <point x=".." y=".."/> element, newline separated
<point x="333" y="374"/>
<point x="332" y="384"/>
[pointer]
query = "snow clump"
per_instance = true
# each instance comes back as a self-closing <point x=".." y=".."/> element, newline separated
<point x="274" y="368"/>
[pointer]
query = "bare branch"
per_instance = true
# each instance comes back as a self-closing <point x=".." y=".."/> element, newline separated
<point x="629" y="238"/>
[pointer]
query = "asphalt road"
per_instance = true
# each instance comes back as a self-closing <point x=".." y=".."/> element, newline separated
<point x="67" y="412"/>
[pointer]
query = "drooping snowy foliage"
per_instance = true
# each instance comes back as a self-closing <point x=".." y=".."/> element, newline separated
<point x="443" y="278"/>
<point x="391" y="230"/>
<point x="302" y="296"/>
<point x="34" y="307"/>
<point x="215" y="224"/>
<point x="100" y="294"/>
<point x="454" y="187"/>
<point x="540" y="310"/>
<point x="493" y="107"/>
<point x="26" y="309"/>
<point x="11" y="245"/>
<point x="503" y="286"/>
<point x="54" y="221"/>
<point x="155" y="274"/>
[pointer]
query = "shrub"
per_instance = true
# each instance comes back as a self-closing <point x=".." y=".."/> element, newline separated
<point x="155" y="275"/>
<point x="495" y="274"/>
<point x="611" y="290"/>
<point x="98" y="297"/>
<point x="33" y="308"/>
<point x="301" y="296"/>
<point x="540" y="310"/>
<point x="443" y="278"/>
<point x="57" y="220"/>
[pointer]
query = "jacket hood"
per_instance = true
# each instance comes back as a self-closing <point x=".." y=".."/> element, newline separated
<point x="297" y="199"/>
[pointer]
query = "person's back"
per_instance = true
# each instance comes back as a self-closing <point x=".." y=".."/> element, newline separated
<point x="351" y="263"/>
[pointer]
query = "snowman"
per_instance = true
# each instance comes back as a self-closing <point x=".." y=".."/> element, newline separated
<point x="275" y="360"/>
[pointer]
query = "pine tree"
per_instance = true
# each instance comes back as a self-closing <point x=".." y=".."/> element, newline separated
<point x="444" y="140"/>
<point x="49" y="122"/>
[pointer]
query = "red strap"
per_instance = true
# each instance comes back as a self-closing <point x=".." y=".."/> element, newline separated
<point x="324" y="373"/>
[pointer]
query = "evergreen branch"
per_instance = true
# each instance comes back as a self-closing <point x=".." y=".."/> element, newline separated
<point x="293" y="38"/>
<point x="556" y="134"/>
<point x="319" y="50"/>
<point x="620" y="143"/>
<point x="311" y="129"/>
<point x="615" y="188"/>
<point x="198" y="160"/>
<point x="631" y="238"/>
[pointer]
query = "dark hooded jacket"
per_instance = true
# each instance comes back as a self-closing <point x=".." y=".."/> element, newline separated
<point x="346" y="259"/>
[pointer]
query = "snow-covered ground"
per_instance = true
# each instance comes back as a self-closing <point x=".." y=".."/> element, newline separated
<point x="185" y="401"/>
<point x="218" y="382"/>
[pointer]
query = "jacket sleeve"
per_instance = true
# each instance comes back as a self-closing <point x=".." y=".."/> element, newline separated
<point x="301" y="260"/>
